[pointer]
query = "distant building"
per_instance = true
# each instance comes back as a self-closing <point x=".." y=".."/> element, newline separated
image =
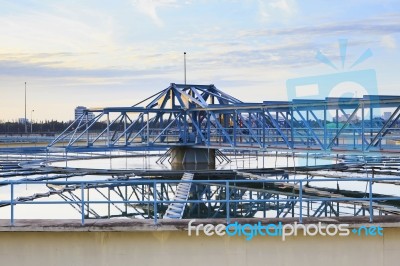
<point x="22" y="120"/>
<point x="79" y="110"/>
<point x="342" y="118"/>
<point x="386" y="115"/>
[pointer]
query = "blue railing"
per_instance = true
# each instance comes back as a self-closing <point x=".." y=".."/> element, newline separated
<point x="298" y="195"/>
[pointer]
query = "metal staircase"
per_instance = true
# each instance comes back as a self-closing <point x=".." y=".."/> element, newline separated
<point x="175" y="209"/>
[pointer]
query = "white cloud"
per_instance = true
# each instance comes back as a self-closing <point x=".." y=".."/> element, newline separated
<point x="388" y="41"/>
<point x="276" y="9"/>
<point x="263" y="9"/>
<point x="149" y="8"/>
<point x="43" y="32"/>
<point x="282" y="5"/>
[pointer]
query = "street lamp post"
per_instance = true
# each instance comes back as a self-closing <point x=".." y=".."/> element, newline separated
<point x="32" y="120"/>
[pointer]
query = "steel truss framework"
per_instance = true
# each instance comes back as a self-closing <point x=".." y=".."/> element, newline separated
<point x="205" y="117"/>
<point x="207" y="199"/>
<point x="234" y="193"/>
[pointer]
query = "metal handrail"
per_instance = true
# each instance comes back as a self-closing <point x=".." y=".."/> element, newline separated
<point x="227" y="183"/>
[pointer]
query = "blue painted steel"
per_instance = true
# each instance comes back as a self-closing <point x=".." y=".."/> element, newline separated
<point x="12" y="203"/>
<point x="82" y="203"/>
<point x="297" y="198"/>
<point x="202" y="116"/>
<point x="301" y="202"/>
<point x="155" y="201"/>
<point x="227" y="201"/>
<point x="370" y="200"/>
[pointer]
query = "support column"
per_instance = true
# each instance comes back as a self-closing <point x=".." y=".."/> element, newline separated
<point x="187" y="158"/>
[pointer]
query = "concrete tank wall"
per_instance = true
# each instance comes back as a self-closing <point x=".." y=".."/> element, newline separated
<point x="177" y="248"/>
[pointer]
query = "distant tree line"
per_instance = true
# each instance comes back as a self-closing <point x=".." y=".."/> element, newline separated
<point x="51" y="127"/>
<point x="48" y="127"/>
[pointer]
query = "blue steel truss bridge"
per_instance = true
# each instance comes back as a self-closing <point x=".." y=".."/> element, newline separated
<point x="202" y="116"/>
<point x="360" y="136"/>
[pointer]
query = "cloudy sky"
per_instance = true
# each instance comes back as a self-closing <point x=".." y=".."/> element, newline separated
<point x="114" y="53"/>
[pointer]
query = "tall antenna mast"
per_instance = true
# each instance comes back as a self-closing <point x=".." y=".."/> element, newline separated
<point x="26" y="128"/>
<point x="184" y="64"/>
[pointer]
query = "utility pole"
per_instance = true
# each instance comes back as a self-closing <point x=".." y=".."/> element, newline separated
<point x="26" y="127"/>
<point x="32" y="121"/>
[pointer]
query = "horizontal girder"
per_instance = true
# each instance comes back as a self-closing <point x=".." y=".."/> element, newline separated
<point x="204" y="117"/>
